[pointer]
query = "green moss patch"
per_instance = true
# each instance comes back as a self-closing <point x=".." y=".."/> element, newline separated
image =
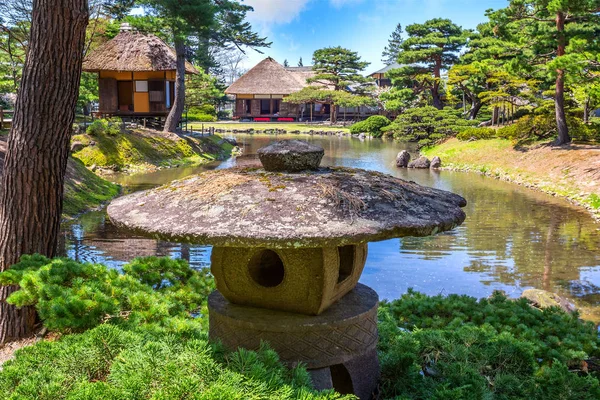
<point x="84" y="190"/>
<point x="146" y="150"/>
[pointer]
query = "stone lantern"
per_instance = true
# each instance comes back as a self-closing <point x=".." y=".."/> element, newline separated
<point x="289" y="245"/>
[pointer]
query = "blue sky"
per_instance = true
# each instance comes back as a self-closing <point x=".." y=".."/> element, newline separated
<point x="299" y="27"/>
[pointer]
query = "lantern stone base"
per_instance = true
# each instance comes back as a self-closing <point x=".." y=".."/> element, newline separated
<point x="338" y="346"/>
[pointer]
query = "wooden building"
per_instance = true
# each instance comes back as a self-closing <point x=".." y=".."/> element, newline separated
<point x="136" y="75"/>
<point x="381" y="78"/>
<point x="259" y="93"/>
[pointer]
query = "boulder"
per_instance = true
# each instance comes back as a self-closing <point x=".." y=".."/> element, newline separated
<point x="544" y="299"/>
<point x="421" y="162"/>
<point x="290" y="156"/>
<point x="402" y="159"/>
<point x="361" y="136"/>
<point x="76" y="146"/>
<point x="436" y="163"/>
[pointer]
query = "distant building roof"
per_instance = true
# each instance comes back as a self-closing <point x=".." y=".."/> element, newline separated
<point x="270" y="77"/>
<point x="387" y="68"/>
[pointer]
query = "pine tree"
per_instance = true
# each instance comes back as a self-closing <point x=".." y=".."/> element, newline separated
<point x="431" y="47"/>
<point x="223" y="21"/>
<point x="550" y="34"/>
<point x="391" y="51"/>
<point x="285" y="63"/>
<point x="300" y="63"/>
<point x="31" y="191"/>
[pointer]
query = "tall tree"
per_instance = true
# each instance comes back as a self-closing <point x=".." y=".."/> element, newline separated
<point x="285" y="63"/>
<point x="394" y="47"/>
<point x="31" y="190"/>
<point x="337" y="68"/>
<point x="430" y="48"/>
<point x="221" y="21"/>
<point x="300" y="63"/>
<point x="544" y="29"/>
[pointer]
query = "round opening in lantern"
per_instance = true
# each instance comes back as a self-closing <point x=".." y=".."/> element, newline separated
<point x="266" y="268"/>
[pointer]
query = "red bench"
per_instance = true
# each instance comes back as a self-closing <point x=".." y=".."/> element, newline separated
<point x="262" y="119"/>
<point x="285" y="119"/>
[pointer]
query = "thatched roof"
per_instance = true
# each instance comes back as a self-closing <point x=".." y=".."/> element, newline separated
<point x="132" y="51"/>
<point x="270" y="77"/>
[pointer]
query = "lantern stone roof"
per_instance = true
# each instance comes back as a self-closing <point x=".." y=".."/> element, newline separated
<point x="133" y="51"/>
<point x="243" y="207"/>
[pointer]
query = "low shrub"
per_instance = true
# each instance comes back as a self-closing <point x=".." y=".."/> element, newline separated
<point x="542" y="126"/>
<point x="427" y="125"/>
<point x="371" y="125"/>
<point x="108" y="126"/>
<point x="150" y="362"/>
<point x="71" y="296"/>
<point x="456" y="347"/>
<point x="476" y="134"/>
<point x="201" y="117"/>
<point x="147" y="338"/>
<point x="203" y="113"/>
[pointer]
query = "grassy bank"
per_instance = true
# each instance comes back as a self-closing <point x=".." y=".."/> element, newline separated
<point x="146" y="150"/>
<point x="570" y="171"/>
<point x="84" y="190"/>
<point x="288" y="126"/>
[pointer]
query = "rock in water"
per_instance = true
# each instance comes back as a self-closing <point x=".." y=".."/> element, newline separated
<point x="290" y="156"/>
<point x="402" y="159"/>
<point x="544" y="299"/>
<point x="436" y="163"/>
<point x="421" y="162"/>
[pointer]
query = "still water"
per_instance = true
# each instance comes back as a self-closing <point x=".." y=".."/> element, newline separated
<point x="513" y="238"/>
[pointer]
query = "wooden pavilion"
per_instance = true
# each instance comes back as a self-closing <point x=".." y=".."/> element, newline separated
<point x="136" y="75"/>
<point x="259" y="93"/>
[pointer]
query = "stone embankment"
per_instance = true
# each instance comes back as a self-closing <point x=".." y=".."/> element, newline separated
<point x="278" y="131"/>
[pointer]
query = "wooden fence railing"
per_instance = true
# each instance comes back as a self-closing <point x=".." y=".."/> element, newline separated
<point x="4" y="120"/>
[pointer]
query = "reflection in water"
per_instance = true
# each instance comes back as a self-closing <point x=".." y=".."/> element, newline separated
<point x="513" y="238"/>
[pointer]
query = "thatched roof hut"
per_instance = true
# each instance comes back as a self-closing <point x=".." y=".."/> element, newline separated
<point x="136" y="74"/>
<point x="269" y="78"/>
<point x="133" y="51"/>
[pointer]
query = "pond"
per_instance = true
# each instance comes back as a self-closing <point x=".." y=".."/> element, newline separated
<point x="513" y="238"/>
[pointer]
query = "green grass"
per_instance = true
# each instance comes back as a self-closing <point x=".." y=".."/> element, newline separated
<point x="84" y="190"/>
<point x="289" y="126"/>
<point x="138" y="151"/>
<point x="594" y="201"/>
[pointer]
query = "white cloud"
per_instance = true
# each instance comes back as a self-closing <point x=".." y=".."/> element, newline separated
<point x="267" y="12"/>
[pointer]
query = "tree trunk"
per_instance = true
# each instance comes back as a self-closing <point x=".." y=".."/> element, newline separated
<point x="435" y="90"/>
<point x="561" y="119"/>
<point x="475" y="108"/>
<point x="31" y="190"/>
<point x="332" y="114"/>
<point x="177" y="109"/>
